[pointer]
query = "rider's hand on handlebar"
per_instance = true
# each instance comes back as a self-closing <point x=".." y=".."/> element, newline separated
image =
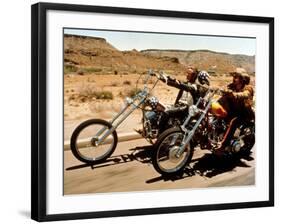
<point x="164" y="78"/>
<point x="227" y="92"/>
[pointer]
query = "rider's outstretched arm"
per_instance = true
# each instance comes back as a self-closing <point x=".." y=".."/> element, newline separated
<point x="180" y="85"/>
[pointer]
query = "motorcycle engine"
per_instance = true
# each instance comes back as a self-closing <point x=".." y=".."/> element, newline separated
<point x="236" y="145"/>
<point x="151" y="126"/>
<point x="218" y="128"/>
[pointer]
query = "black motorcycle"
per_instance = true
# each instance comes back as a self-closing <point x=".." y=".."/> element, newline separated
<point x="95" y="140"/>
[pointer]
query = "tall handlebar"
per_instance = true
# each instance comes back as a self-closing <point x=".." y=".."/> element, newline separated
<point x="152" y="73"/>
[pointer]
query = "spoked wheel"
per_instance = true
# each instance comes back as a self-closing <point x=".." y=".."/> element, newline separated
<point x="165" y="159"/>
<point x="84" y="139"/>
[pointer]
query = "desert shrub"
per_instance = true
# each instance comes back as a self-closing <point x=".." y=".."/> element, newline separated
<point x="88" y="92"/>
<point x="114" y="84"/>
<point x="104" y="95"/>
<point x="132" y="92"/>
<point x="68" y="51"/>
<point x="127" y="82"/>
<point x="80" y="72"/>
<point x="214" y="74"/>
<point x="86" y="70"/>
<point x="121" y="94"/>
<point x="90" y="79"/>
<point x="70" y="69"/>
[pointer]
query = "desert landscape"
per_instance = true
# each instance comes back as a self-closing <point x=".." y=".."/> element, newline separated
<point x="98" y="77"/>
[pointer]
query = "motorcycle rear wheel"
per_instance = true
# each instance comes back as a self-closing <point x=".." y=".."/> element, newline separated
<point x="249" y="138"/>
<point x="164" y="158"/>
<point x="83" y="140"/>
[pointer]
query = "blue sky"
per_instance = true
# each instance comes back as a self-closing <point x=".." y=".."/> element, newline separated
<point x="138" y="40"/>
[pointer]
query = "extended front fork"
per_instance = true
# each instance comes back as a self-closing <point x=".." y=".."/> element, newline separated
<point x="119" y="118"/>
<point x="188" y="134"/>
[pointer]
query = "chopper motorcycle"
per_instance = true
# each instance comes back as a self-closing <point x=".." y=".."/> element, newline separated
<point x="204" y="127"/>
<point x="95" y="140"/>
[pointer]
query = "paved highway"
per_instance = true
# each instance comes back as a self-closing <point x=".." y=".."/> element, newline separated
<point x="130" y="169"/>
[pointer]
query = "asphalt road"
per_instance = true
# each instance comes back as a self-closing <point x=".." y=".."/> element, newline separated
<point x="130" y="169"/>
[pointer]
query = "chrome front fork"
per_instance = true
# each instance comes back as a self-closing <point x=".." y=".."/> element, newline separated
<point x="188" y="134"/>
<point x="119" y="118"/>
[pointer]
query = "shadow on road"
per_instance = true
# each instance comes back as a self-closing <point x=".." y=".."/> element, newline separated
<point x="141" y="154"/>
<point x="208" y="166"/>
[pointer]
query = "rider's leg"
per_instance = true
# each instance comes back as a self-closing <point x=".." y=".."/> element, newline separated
<point x="229" y="134"/>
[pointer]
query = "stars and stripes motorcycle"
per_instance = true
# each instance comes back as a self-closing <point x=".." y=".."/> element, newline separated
<point x="95" y="140"/>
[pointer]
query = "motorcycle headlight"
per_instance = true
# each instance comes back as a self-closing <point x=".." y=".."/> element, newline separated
<point x="128" y="100"/>
<point x="153" y="101"/>
<point x="193" y="110"/>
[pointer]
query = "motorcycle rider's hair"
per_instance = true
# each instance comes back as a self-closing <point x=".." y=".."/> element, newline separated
<point x="195" y="72"/>
<point x="244" y="77"/>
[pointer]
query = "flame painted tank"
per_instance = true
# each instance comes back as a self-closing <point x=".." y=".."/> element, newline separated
<point x="218" y="110"/>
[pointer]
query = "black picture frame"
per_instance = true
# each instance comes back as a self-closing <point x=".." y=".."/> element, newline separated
<point x="39" y="110"/>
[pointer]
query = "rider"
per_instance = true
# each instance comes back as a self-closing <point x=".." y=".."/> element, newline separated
<point x="190" y="86"/>
<point x="192" y="74"/>
<point x="238" y="102"/>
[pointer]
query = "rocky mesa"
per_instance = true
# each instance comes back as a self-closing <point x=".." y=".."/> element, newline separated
<point x="84" y="54"/>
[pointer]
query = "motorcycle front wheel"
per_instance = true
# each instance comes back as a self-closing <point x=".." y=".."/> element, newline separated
<point x="164" y="157"/>
<point x="84" y="139"/>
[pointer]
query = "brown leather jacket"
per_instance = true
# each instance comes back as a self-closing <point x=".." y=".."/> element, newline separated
<point x="243" y="100"/>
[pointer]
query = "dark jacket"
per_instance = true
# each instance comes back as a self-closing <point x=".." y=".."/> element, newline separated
<point x="195" y="90"/>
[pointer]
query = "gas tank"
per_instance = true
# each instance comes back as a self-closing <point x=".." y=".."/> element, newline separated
<point x="218" y="110"/>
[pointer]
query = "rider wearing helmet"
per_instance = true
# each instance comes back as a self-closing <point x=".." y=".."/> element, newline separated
<point x="238" y="103"/>
<point x="203" y="78"/>
<point x="190" y="86"/>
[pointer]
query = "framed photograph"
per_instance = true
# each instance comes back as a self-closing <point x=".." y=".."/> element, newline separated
<point x="139" y="111"/>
